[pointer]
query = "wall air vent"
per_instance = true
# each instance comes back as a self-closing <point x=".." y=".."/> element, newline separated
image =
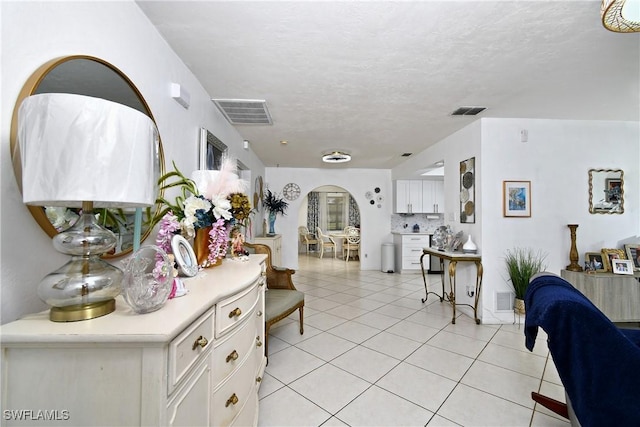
<point x="406" y="154"/>
<point x="244" y="111"/>
<point x="468" y="111"/>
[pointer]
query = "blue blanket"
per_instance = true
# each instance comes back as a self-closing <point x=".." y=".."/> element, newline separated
<point x="598" y="363"/>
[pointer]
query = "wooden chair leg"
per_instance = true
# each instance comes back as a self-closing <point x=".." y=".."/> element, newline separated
<point x="551" y="404"/>
<point x="301" y="317"/>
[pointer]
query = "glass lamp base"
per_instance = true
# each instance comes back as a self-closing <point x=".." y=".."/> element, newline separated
<point x="74" y="313"/>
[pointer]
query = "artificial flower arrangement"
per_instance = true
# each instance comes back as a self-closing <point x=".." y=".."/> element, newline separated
<point x="213" y="199"/>
<point x="274" y="205"/>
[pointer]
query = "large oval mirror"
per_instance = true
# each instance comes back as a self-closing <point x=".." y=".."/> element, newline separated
<point x="85" y="75"/>
<point x="606" y="191"/>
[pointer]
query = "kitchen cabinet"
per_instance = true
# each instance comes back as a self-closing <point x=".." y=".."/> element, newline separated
<point x="408" y="196"/>
<point x="275" y="243"/>
<point x="432" y="196"/>
<point x="409" y="250"/>
<point x="198" y="360"/>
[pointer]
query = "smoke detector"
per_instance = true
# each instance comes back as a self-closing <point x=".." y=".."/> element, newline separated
<point x="336" y="157"/>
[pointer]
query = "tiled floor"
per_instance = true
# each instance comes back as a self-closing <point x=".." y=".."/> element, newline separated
<point x="373" y="355"/>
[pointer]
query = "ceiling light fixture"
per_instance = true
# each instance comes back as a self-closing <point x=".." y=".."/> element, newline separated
<point x="621" y="18"/>
<point x="336" y="157"/>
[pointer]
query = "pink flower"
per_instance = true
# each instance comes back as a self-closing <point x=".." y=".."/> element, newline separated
<point x="169" y="226"/>
<point x="218" y="240"/>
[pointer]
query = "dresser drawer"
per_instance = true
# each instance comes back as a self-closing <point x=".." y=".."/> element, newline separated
<point x="232" y="311"/>
<point x="421" y="241"/>
<point x="231" y="351"/>
<point x="187" y="348"/>
<point x="233" y="395"/>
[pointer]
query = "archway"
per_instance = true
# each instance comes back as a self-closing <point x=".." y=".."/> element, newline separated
<point x="330" y="208"/>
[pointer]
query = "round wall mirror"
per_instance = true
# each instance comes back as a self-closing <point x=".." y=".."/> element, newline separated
<point x="85" y="75"/>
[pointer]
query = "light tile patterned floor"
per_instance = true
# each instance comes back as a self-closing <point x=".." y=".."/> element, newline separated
<point x="373" y="354"/>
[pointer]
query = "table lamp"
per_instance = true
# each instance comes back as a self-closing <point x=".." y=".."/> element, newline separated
<point x="83" y="152"/>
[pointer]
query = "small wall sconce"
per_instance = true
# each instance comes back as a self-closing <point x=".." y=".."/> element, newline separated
<point x="180" y="94"/>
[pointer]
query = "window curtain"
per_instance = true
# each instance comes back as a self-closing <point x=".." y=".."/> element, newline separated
<point x="313" y="211"/>
<point x="354" y="212"/>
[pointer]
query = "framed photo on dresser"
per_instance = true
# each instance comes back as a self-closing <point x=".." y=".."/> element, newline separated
<point x="633" y="254"/>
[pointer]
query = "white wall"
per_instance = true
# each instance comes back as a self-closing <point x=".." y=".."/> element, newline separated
<point x="374" y="221"/>
<point x="118" y="32"/>
<point x="556" y="160"/>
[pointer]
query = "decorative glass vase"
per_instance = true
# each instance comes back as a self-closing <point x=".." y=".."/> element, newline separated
<point x="469" y="247"/>
<point x="272" y="223"/>
<point x="148" y="279"/>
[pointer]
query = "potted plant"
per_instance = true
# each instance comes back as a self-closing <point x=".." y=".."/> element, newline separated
<point x="522" y="264"/>
<point x="274" y="205"/>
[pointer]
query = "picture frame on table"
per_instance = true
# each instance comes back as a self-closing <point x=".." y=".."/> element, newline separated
<point x="185" y="257"/>
<point x="516" y="199"/>
<point x="622" y="266"/>
<point x="211" y="151"/>
<point x="595" y="260"/>
<point x="609" y="255"/>
<point x="633" y="254"/>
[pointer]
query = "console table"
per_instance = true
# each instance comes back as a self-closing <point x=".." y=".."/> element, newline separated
<point x="454" y="258"/>
<point x="616" y="295"/>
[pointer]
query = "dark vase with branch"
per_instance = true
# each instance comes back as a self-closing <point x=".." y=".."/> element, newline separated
<point x="274" y="205"/>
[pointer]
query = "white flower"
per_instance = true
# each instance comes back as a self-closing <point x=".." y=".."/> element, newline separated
<point x="59" y="216"/>
<point x="192" y="204"/>
<point x="222" y="207"/>
<point x="187" y="228"/>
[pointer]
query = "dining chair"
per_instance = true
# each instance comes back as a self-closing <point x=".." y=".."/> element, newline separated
<point x="306" y="238"/>
<point x="326" y="242"/>
<point x="351" y="230"/>
<point x="351" y="246"/>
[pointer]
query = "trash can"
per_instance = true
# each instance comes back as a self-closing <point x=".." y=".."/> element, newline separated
<point x="388" y="257"/>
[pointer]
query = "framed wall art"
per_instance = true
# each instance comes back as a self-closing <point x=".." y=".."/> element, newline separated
<point x="608" y="255"/>
<point x="211" y="151"/>
<point x="594" y="259"/>
<point x="633" y="254"/>
<point x="622" y="266"/>
<point x="468" y="191"/>
<point x="516" y="199"/>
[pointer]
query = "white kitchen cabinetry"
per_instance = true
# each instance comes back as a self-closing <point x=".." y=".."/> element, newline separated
<point x="409" y="250"/>
<point x="275" y="243"/>
<point x="432" y="196"/>
<point x="196" y="361"/>
<point x="408" y="196"/>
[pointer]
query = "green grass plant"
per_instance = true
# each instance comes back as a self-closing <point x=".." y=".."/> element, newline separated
<point x="522" y="264"/>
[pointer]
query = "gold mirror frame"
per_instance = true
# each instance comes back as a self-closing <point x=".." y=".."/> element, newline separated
<point x="31" y="87"/>
<point x="603" y="180"/>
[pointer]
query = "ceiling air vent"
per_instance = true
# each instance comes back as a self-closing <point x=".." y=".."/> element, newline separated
<point x="244" y="111"/>
<point x="468" y="111"/>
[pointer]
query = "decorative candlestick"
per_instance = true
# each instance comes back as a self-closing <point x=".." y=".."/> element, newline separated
<point x="573" y="253"/>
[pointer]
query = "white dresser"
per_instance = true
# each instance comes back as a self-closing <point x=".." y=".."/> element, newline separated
<point x="275" y="243"/>
<point x="409" y="250"/>
<point x="197" y="361"/>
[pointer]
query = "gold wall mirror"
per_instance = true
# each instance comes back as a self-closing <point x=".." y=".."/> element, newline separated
<point x="85" y="75"/>
<point x="606" y="191"/>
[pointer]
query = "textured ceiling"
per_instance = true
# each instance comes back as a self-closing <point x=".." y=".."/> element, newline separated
<point x="378" y="79"/>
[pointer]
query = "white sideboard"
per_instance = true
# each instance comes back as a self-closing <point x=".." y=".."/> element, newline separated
<point x="409" y="250"/>
<point x="275" y="243"/>
<point x="197" y="361"/>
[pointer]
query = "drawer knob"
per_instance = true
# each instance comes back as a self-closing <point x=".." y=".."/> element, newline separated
<point x="258" y="379"/>
<point x="263" y="274"/>
<point x="258" y="342"/>
<point x="200" y="341"/>
<point x="259" y="313"/>
<point x="232" y="356"/>
<point x="232" y="400"/>
<point x="235" y="312"/>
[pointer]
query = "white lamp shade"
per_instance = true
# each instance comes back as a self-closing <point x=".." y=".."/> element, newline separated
<point x="77" y="148"/>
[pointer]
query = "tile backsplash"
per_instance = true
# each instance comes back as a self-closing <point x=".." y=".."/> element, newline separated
<point x="427" y="222"/>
